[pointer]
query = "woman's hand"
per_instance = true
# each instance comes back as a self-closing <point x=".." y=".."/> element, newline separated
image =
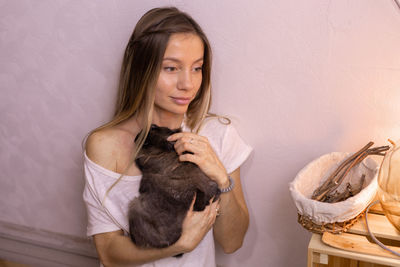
<point x="200" y="153"/>
<point x="196" y="225"/>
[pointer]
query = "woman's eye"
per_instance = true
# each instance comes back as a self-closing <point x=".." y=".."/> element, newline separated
<point x="170" y="69"/>
<point x="198" y="69"/>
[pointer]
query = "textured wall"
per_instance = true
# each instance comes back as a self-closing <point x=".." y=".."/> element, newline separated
<point x="299" y="78"/>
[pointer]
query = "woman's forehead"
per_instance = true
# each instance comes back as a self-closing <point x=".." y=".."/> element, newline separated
<point x="184" y="47"/>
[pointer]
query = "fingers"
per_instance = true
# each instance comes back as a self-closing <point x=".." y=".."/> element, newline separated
<point x="190" y="157"/>
<point x="186" y="146"/>
<point x="212" y="211"/>
<point x="193" y="201"/>
<point x="174" y="137"/>
<point x="200" y="153"/>
<point x="214" y="206"/>
<point x="194" y="144"/>
<point x="197" y="224"/>
<point x="187" y="135"/>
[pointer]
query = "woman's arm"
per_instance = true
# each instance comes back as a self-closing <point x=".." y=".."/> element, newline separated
<point x="115" y="249"/>
<point x="233" y="220"/>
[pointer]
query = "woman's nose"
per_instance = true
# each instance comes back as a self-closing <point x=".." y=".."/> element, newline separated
<point x="185" y="80"/>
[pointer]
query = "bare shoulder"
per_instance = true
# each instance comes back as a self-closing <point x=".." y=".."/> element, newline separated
<point x="109" y="147"/>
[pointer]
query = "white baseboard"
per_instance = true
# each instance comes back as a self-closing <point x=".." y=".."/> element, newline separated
<point x="41" y="248"/>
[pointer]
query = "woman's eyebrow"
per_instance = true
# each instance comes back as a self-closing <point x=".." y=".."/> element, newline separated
<point x="178" y="61"/>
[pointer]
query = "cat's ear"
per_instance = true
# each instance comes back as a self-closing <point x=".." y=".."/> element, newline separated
<point x="174" y="131"/>
<point x="146" y="142"/>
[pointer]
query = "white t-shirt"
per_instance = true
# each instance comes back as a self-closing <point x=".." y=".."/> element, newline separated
<point x="113" y="215"/>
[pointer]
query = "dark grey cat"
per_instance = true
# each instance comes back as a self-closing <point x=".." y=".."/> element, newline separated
<point x="167" y="189"/>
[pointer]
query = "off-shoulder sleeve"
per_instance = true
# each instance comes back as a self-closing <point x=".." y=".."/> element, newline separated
<point x="99" y="220"/>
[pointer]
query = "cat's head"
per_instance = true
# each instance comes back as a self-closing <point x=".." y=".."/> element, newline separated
<point x="157" y="138"/>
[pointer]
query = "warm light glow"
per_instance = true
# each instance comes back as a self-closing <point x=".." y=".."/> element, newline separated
<point x="389" y="185"/>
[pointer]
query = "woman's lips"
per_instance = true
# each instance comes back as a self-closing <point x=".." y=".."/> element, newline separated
<point x="182" y="100"/>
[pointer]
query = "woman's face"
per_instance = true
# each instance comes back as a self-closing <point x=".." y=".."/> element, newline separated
<point x="180" y="76"/>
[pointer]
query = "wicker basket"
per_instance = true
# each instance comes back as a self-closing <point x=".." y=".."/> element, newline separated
<point x="319" y="217"/>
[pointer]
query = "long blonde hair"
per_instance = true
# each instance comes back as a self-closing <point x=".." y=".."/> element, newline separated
<point x="141" y="67"/>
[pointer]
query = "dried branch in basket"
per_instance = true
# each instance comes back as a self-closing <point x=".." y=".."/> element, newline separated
<point x="348" y="192"/>
<point x="326" y="192"/>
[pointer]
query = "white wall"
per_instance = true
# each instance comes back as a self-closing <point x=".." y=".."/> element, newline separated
<point x="299" y="79"/>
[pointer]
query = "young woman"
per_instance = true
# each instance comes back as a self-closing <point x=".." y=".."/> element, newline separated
<point x="165" y="80"/>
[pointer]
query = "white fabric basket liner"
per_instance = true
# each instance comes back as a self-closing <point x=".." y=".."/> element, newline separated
<point x="316" y="172"/>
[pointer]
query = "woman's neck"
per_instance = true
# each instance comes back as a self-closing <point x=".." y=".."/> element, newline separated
<point x="172" y="121"/>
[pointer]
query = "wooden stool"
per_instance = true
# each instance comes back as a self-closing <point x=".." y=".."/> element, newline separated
<point x="354" y="248"/>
